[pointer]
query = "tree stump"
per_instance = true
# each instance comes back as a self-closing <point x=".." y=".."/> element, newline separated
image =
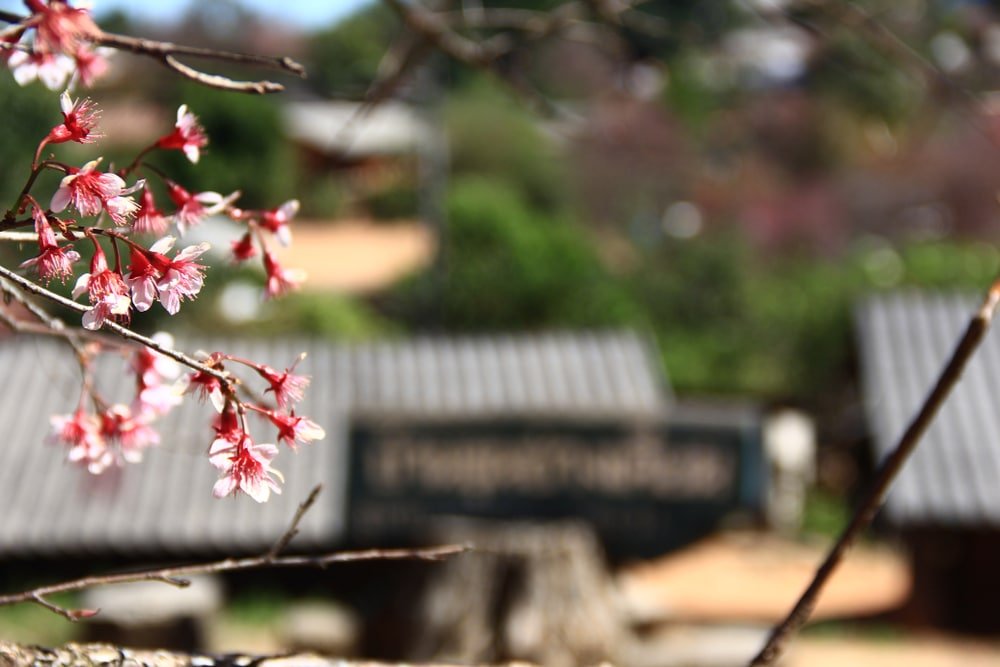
<point x="533" y="592"/>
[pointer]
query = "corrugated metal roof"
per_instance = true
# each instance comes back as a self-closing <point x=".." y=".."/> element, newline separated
<point x="575" y="375"/>
<point x="905" y="340"/>
<point x="164" y="504"/>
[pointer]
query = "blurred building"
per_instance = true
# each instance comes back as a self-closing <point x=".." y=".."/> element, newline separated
<point x="945" y="504"/>
<point x="551" y="426"/>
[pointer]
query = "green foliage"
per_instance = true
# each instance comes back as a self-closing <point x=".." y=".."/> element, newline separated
<point x="825" y="514"/>
<point x="856" y="74"/>
<point x="731" y="321"/>
<point x="342" y="61"/>
<point x="492" y="137"/>
<point x="507" y="266"/>
<point x="323" y="198"/>
<point x="33" y="111"/>
<point x="321" y="314"/>
<point x="400" y="200"/>
<point x="33" y="624"/>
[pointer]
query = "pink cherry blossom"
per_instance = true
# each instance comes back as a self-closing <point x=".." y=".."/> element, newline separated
<point x="107" y="291"/>
<point x="279" y="279"/>
<point x="193" y="208"/>
<point x="152" y="367"/>
<point x="132" y="432"/>
<point x="52" y="261"/>
<point x="82" y="432"/>
<point x="79" y="120"/>
<point x="245" y="467"/>
<point x="244" y="248"/>
<point x="60" y="27"/>
<point x="188" y="135"/>
<point x="91" y="191"/>
<point x="91" y="64"/>
<point x="51" y="69"/>
<point x="149" y="219"/>
<point x="288" y="388"/>
<point x="292" y="428"/>
<point x="154" y="397"/>
<point x="154" y="275"/>
<point x="276" y="221"/>
<point x="206" y="384"/>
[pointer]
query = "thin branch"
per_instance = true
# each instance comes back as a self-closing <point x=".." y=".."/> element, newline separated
<point x="118" y="329"/>
<point x="49" y="324"/>
<point x="157" y="49"/>
<point x="222" y="82"/>
<point x="884" y="476"/>
<point x="176" y="576"/>
<point x="293" y="528"/>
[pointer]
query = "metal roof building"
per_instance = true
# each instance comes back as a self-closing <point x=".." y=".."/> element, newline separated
<point x="952" y="478"/>
<point x="164" y="505"/>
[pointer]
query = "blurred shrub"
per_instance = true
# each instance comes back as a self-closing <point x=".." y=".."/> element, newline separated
<point x="327" y="315"/>
<point x="400" y="200"/>
<point x="490" y="136"/>
<point x="323" y="198"/>
<point x="33" y="111"/>
<point x="506" y="267"/>
<point x="731" y="321"/>
<point x="342" y="60"/>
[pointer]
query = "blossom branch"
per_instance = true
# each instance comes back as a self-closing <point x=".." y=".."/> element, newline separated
<point x="118" y="329"/>
<point x="884" y="476"/>
<point x="176" y="576"/>
<point x="166" y="53"/>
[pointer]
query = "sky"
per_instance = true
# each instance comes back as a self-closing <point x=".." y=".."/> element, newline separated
<point x="301" y="13"/>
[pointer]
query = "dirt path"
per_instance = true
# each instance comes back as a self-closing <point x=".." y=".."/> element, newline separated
<point x="358" y="256"/>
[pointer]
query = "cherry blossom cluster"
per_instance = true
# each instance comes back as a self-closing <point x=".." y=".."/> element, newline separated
<point x="151" y="274"/>
<point x="243" y="464"/>
<point x="133" y="263"/>
<point x="115" y="433"/>
<point x="55" y="43"/>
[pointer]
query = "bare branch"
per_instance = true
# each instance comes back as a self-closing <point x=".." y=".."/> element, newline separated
<point x="884" y="476"/>
<point x="175" y="575"/>
<point x="156" y="49"/>
<point x="436" y="30"/>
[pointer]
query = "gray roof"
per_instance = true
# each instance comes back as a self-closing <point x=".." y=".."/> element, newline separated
<point x="164" y="504"/>
<point x="953" y="476"/>
<point x="354" y="130"/>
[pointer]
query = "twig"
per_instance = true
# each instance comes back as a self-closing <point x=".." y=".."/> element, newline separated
<point x="436" y="30"/>
<point x="176" y="576"/>
<point x="222" y="82"/>
<point x="293" y="528"/>
<point x="884" y="476"/>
